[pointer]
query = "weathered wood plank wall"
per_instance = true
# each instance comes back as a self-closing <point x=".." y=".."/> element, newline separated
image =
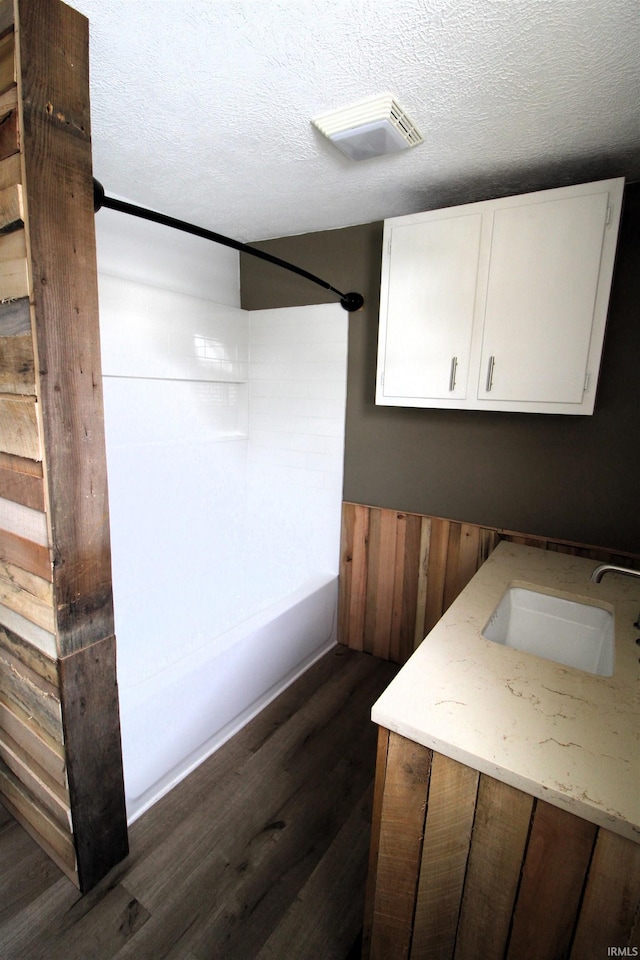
<point x="60" y="758"/>
<point x="400" y="571"/>
<point x="33" y="779"/>
<point x="466" y="866"/>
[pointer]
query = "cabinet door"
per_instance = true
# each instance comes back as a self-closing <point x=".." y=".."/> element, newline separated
<point x="541" y="294"/>
<point x="428" y="294"/>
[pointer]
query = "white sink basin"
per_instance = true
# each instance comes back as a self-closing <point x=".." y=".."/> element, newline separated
<point x="567" y="631"/>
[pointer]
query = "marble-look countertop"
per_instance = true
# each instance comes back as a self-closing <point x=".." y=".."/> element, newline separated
<point x="561" y="734"/>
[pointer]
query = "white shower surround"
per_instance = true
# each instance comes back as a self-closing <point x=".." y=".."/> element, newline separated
<point x="225" y="434"/>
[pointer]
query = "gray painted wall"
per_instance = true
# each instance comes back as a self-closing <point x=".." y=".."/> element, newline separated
<point x="572" y="478"/>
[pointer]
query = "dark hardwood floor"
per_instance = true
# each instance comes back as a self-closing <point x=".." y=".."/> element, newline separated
<point x="260" y="854"/>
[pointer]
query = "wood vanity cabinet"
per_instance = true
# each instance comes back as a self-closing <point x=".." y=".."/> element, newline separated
<point x="499" y="305"/>
<point x="463" y="867"/>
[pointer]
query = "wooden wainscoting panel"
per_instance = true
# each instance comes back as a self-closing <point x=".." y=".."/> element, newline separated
<point x="381" y="568"/>
<point x="374" y="846"/>
<point x="39" y="638"/>
<point x="51" y="836"/>
<point x="14" y="274"/>
<point x="30" y="657"/>
<point x="28" y="595"/>
<point x="6" y="16"/>
<point x="11" y="208"/>
<point x="346" y="617"/>
<point x="24" y="521"/>
<point x="21" y="480"/>
<point x="451" y="808"/>
<point x="405" y="594"/>
<point x="489" y="540"/>
<point x="8" y="100"/>
<point x="33" y="780"/>
<point x="353" y="593"/>
<point x="10" y="171"/>
<point x="392" y="584"/>
<point x="400" y="848"/>
<point x="436" y="571"/>
<point x="47" y="754"/>
<point x="611" y="901"/>
<point x="393" y="641"/>
<point x="9" y="124"/>
<point x="419" y="632"/>
<point x="500" y="832"/>
<point x="501" y="875"/>
<point x="7" y="60"/>
<point x="465" y="560"/>
<point x="399" y="572"/>
<point x="53" y="797"/>
<point x="557" y="861"/>
<point x="19" y="428"/>
<point x="33" y="557"/>
<point x="25" y="683"/>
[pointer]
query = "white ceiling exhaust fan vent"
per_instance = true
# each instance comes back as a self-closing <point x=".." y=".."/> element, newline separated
<point x="370" y="128"/>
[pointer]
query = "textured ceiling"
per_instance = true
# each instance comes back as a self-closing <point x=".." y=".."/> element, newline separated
<point x="202" y="108"/>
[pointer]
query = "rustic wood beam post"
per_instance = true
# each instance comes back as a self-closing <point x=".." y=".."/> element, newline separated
<point x="52" y="449"/>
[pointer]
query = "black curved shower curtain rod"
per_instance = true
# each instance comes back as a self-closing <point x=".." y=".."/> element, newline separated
<point x="350" y="301"/>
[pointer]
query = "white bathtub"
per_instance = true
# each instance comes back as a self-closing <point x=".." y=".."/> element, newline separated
<point x="175" y="719"/>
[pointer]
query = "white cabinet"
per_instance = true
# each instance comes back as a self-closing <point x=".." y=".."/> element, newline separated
<point x="499" y="305"/>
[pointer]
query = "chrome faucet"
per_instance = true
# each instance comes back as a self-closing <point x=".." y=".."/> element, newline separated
<point x="600" y="571"/>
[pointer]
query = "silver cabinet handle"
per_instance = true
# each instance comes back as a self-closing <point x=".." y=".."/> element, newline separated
<point x="492" y="361"/>
<point x="452" y="375"/>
